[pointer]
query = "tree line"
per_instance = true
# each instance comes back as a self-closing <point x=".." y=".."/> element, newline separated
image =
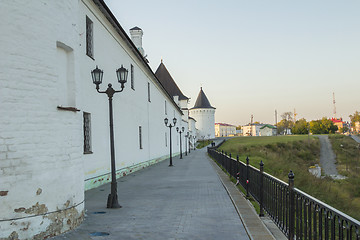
<point x="322" y="126"/>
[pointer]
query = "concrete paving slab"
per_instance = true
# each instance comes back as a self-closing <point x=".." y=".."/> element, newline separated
<point x="254" y="225"/>
<point x="187" y="201"/>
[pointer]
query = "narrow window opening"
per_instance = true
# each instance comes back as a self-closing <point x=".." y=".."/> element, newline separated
<point x="165" y="108"/>
<point x="149" y="99"/>
<point x="140" y="138"/>
<point x="132" y="78"/>
<point x="87" y="132"/>
<point x="89" y="38"/>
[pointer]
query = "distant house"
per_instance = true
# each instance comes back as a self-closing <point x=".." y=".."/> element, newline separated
<point x="252" y="129"/>
<point x="239" y="132"/>
<point x="224" y="130"/>
<point x="267" y="130"/>
<point x="338" y="122"/>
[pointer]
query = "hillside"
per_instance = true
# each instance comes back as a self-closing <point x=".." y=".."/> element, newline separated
<point x="297" y="153"/>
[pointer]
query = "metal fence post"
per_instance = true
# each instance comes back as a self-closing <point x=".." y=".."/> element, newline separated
<point x="261" y="214"/>
<point x="237" y="164"/>
<point x="222" y="159"/>
<point x="247" y="177"/>
<point x="231" y="165"/>
<point x="226" y="162"/>
<point x="291" y="206"/>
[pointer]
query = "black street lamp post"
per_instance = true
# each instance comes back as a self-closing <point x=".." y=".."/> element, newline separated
<point x="180" y="132"/>
<point x="186" y="136"/>
<point x="97" y="75"/>
<point x="170" y="126"/>
<point x="189" y="138"/>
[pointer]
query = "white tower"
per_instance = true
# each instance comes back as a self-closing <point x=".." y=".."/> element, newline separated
<point x="204" y="114"/>
<point x="136" y="36"/>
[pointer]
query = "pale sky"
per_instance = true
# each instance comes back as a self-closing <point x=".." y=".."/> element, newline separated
<point x="252" y="57"/>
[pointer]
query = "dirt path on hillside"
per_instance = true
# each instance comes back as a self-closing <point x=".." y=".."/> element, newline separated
<point x="356" y="138"/>
<point x="328" y="158"/>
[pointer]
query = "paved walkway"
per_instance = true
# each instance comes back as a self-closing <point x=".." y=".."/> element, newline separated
<point x="187" y="201"/>
<point x="328" y="158"/>
<point x="356" y="138"/>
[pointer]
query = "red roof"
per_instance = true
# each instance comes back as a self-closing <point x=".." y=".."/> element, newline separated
<point x="336" y="120"/>
<point x="224" y="124"/>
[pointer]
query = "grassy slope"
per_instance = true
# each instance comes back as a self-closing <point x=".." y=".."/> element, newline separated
<point x="284" y="153"/>
<point x="202" y="144"/>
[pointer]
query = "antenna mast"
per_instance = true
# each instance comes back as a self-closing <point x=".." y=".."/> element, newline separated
<point x="334" y="105"/>
<point x="276" y="121"/>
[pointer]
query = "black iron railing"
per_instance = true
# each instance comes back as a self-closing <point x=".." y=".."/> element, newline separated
<point x="297" y="214"/>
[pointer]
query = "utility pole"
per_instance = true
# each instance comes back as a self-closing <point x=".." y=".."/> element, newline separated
<point x="276" y="121"/>
<point x="334" y="105"/>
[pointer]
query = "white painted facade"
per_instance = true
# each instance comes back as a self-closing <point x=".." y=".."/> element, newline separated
<point x="192" y="131"/>
<point x="224" y="130"/>
<point x="136" y="37"/>
<point x="44" y="66"/>
<point x="252" y="130"/>
<point x="205" y="122"/>
<point x="267" y="130"/>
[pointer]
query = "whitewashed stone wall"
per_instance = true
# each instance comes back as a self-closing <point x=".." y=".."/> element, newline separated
<point x="131" y="107"/>
<point x="205" y="122"/>
<point x="43" y="65"/>
<point x="40" y="146"/>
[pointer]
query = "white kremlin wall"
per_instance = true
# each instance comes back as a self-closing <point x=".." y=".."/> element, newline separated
<point x="44" y="171"/>
<point x="205" y="122"/>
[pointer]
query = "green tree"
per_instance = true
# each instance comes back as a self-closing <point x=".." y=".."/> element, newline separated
<point x="280" y="127"/>
<point x="323" y="126"/>
<point x="344" y="129"/>
<point x="355" y="118"/>
<point x="300" y="127"/>
<point x="286" y="123"/>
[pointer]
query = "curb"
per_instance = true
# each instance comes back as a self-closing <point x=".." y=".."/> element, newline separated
<point x="254" y="226"/>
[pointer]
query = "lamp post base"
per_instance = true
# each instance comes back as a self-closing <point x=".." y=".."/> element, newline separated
<point x="112" y="201"/>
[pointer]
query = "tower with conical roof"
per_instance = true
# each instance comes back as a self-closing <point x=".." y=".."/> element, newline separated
<point x="172" y="88"/>
<point x="204" y="114"/>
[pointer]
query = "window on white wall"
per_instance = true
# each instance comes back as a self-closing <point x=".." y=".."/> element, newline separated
<point x="65" y="73"/>
<point x="165" y="107"/>
<point x="140" y="138"/>
<point x="149" y="99"/>
<point x="132" y="77"/>
<point x="89" y="38"/>
<point x="165" y="139"/>
<point x="87" y="132"/>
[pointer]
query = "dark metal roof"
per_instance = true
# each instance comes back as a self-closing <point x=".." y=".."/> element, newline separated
<point x="114" y="22"/>
<point x="202" y="101"/>
<point x="136" y="28"/>
<point x="168" y="82"/>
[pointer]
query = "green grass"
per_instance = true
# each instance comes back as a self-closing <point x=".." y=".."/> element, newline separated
<point x="202" y="144"/>
<point x="281" y="154"/>
<point x="348" y="164"/>
<point x="347" y="154"/>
